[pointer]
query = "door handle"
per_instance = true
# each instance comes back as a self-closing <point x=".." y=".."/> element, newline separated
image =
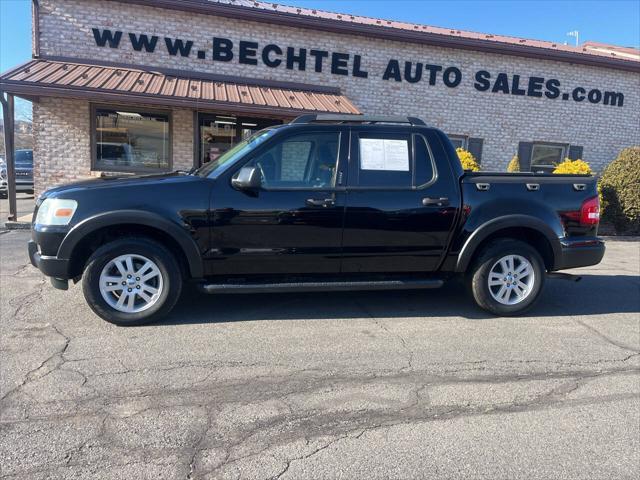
<point x="440" y="202"/>
<point x="321" y="202"/>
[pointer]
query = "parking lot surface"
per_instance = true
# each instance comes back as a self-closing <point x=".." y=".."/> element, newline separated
<point x="395" y="385"/>
<point x="24" y="206"/>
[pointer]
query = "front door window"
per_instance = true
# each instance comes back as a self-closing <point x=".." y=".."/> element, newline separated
<point x="305" y="161"/>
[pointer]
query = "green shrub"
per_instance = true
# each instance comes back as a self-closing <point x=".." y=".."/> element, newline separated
<point x="467" y="160"/>
<point x="574" y="167"/>
<point x="514" y="164"/>
<point x="620" y="187"/>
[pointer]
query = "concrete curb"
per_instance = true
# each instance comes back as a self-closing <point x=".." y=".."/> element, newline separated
<point x="11" y="225"/>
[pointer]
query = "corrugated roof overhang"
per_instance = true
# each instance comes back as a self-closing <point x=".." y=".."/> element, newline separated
<point x="112" y="82"/>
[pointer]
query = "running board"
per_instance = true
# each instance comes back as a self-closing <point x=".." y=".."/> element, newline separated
<point x="337" y="286"/>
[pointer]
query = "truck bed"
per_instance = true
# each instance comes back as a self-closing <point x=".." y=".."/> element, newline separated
<point x="549" y="197"/>
<point x="545" y="202"/>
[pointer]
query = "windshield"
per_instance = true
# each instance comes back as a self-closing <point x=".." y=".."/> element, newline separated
<point x="218" y="165"/>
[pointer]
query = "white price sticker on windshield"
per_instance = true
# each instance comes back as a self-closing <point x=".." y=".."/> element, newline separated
<point x="384" y="154"/>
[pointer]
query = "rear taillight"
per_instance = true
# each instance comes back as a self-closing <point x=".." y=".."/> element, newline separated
<point x="590" y="212"/>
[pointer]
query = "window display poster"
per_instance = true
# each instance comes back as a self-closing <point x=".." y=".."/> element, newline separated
<point x="384" y="154"/>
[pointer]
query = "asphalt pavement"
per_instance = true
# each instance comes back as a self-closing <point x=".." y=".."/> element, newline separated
<point x="393" y="385"/>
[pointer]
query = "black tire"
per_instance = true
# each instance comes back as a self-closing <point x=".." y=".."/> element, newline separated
<point x="478" y="276"/>
<point x="154" y="251"/>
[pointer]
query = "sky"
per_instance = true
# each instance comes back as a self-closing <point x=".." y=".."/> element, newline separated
<point x="608" y="21"/>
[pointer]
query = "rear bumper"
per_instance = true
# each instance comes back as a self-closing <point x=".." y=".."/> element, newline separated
<point x="580" y="253"/>
<point x="50" y="266"/>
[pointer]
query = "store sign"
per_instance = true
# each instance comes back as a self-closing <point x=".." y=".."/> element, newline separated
<point x="346" y="64"/>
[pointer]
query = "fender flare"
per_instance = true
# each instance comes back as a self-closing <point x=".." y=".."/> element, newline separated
<point x="118" y="217"/>
<point x="509" y="221"/>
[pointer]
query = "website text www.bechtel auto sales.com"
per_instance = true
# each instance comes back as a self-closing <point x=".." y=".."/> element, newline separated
<point x="346" y="64"/>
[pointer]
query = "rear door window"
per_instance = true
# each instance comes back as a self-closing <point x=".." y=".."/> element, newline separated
<point x="391" y="161"/>
<point x="384" y="161"/>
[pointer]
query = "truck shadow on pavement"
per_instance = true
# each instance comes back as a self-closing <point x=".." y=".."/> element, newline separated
<point x="594" y="295"/>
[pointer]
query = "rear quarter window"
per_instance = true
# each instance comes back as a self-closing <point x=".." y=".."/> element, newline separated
<point x="424" y="167"/>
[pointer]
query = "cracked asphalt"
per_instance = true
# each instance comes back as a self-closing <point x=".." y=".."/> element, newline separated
<point x="395" y="385"/>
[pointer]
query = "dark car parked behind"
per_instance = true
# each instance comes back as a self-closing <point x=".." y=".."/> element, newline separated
<point x="24" y="170"/>
<point x="24" y="173"/>
<point x="3" y="179"/>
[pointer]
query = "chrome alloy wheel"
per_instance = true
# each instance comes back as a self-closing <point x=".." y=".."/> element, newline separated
<point x="511" y="279"/>
<point x="131" y="283"/>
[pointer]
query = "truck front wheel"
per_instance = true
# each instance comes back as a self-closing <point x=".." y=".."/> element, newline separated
<point x="132" y="281"/>
<point x="507" y="277"/>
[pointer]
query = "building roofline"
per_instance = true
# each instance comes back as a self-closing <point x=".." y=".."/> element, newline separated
<point x="631" y="50"/>
<point x="517" y="47"/>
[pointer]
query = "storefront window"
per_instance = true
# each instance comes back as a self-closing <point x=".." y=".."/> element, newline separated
<point x="217" y="135"/>
<point x="131" y="140"/>
<point x="545" y="157"/>
<point x="220" y="133"/>
<point x="459" y="141"/>
<point x="217" y="166"/>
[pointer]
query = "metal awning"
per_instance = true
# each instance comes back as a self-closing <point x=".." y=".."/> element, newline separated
<point x="151" y="85"/>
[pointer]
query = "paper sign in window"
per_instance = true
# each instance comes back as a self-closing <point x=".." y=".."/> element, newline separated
<point x="384" y="154"/>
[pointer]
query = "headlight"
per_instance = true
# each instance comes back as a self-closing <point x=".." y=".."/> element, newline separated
<point x="56" y="211"/>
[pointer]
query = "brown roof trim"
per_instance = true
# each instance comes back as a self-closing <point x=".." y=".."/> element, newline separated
<point x="207" y="7"/>
<point x="15" y="69"/>
<point x="214" y="77"/>
<point x="48" y="78"/>
<point x="21" y="90"/>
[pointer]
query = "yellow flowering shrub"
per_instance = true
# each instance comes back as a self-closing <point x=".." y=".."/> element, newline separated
<point x="514" y="165"/>
<point x="467" y="160"/>
<point x="574" y="167"/>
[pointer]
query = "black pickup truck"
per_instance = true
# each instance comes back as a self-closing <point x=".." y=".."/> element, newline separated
<point x="325" y="202"/>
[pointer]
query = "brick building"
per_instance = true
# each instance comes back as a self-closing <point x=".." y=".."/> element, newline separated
<point x="150" y="85"/>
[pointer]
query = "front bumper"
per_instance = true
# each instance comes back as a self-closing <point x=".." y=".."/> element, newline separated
<point x="580" y="253"/>
<point x="50" y="266"/>
<point x="24" y="187"/>
<point x="20" y="187"/>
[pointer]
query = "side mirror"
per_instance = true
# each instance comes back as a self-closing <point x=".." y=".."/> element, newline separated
<point x="248" y="178"/>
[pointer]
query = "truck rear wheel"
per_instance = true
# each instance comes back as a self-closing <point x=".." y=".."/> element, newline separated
<point x="132" y="281"/>
<point x="507" y="277"/>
